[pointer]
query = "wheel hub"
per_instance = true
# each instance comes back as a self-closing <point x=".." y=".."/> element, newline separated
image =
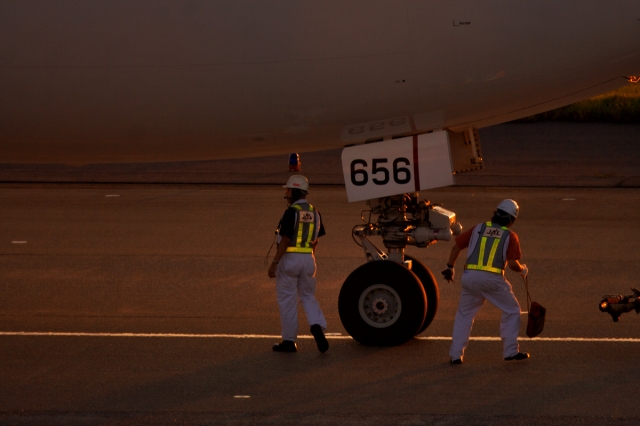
<point x="380" y="306"/>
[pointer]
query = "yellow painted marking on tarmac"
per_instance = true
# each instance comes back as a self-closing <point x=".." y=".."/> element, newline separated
<point x="112" y="195"/>
<point x="277" y="336"/>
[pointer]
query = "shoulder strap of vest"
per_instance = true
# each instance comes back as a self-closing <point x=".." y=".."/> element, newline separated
<point x="504" y="228"/>
<point x="299" y="207"/>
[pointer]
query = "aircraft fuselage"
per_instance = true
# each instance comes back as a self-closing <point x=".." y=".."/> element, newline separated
<point x="169" y="80"/>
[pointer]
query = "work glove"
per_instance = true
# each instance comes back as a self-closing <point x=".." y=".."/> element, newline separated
<point x="525" y="271"/>
<point x="448" y="274"/>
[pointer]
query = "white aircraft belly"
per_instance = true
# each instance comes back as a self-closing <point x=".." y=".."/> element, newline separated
<point x="161" y="80"/>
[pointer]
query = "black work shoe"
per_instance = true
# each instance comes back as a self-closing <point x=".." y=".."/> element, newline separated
<point x="286" y="346"/>
<point x="321" y="341"/>
<point x="518" y="357"/>
<point x="456" y="361"/>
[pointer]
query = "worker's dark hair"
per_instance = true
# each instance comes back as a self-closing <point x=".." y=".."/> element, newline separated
<point x="297" y="193"/>
<point x="502" y="218"/>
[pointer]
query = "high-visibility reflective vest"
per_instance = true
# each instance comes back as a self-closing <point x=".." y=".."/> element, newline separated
<point x="304" y="231"/>
<point x="488" y="250"/>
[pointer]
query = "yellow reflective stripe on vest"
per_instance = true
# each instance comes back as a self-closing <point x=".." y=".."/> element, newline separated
<point x="299" y="250"/>
<point x="485" y="268"/>
<point x="494" y="247"/>
<point x="311" y="230"/>
<point x="299" y="237"/>
<point x="303" y="246"/>
<point x="492" y="253"/>
<point x="483" y="242"/>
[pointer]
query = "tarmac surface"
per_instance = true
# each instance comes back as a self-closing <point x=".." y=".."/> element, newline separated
<point x="145" y="303"/>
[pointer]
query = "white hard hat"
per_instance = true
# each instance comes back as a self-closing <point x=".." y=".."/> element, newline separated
<point x="298" y="182"/>
<point x="510" y="207"/>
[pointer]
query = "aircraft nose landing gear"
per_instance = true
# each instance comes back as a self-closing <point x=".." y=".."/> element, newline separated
<point x="393" y="297"/>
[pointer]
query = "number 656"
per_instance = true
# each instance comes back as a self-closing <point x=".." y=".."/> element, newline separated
<point x="360" y="176"/>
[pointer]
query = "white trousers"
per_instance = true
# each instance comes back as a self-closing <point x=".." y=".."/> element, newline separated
<point x="295" y="278"/>
<point x="478" y="286"/>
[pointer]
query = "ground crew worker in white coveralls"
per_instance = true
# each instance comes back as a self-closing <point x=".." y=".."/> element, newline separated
<point x="294" y="266"/>
<point x="491" y="246"/>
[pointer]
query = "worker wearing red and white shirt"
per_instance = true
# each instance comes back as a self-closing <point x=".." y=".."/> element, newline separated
<point x="491" y="247"/>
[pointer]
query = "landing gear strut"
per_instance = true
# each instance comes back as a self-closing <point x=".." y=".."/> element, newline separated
<point x="393" y="296"/>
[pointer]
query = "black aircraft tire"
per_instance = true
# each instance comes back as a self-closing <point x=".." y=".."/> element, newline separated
<point x="431" y="289"/>
<point x="382" y="303"/>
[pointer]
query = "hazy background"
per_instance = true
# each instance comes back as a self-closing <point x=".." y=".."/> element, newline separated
<point x="549" y="149"/>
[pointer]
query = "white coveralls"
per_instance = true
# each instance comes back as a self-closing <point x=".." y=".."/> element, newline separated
<point x="478" y="286"/>
<point x="295" y="278"/>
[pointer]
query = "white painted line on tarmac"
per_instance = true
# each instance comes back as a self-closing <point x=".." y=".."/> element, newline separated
<point x="242" y="396"/>
<point x="277" y="336"/>
<point x="112" y="195"/>
<point x="18" y="242"/>
<point x="174" y="335"/>
<point x="543" y="339"/>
